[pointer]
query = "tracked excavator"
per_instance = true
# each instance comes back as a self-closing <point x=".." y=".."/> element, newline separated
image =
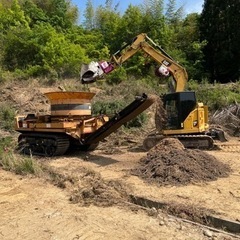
<point x="182" y="116"/>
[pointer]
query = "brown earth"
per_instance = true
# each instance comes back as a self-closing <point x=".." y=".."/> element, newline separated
<point x="169" y="163"/>
<point x="88" y="195"/>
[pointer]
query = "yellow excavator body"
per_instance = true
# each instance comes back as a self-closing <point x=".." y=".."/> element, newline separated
<point x="186" y="119"/>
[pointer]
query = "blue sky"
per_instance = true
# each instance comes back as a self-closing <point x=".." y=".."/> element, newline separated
<point x="189" y="5"/>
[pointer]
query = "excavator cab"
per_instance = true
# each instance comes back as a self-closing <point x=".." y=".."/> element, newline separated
<point x="178" y="106"/>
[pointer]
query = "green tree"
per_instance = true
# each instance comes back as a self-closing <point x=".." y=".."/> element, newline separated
<point x="92" y="42"/>
<point x="131" y="23"/>
<point x="59" y="53"/>
<point x="173" y="15"/>
<point x="187" y="40"/>
<point x="42" y="49"/>
<point x="153" y="19"/>
<point x="34" y="13"/>
<point x="12" y="17"/>
<point x="89" y="15"/>
<point x="107" y="22"/>
<point x="220" y="27"/>
<point x="59" y="13"/>
<point x="12" y="20"/>
<point x="30" y="40"/>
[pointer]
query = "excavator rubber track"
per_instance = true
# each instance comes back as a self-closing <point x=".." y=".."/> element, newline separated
<point x="189" y="141"/>
<point x="42" y="144"/>
<point x="196" y="141"/>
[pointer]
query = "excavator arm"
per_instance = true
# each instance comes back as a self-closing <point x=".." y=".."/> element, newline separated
<point x="168" y="66"/>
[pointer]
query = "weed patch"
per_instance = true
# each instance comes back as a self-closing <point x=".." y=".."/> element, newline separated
<point x="7" y="114"/>
<point x="19" y="164"/>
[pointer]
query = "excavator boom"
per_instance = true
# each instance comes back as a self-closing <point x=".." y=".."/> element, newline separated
<point x="167" y="65"/>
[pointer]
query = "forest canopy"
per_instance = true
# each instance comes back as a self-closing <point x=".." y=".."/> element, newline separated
<point x="44" y="38"/>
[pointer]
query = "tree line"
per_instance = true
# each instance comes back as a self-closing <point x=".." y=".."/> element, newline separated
<point x="44" y="38"/>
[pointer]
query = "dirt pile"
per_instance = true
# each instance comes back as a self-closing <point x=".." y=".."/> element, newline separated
<point x="100" y="193"/>
<point x="87" y="187"/>
<point x="169" y="163"/>
<point x="27" y="97"/>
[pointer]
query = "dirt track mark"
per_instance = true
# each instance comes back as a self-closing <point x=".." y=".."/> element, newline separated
<point x="230" y="148"/>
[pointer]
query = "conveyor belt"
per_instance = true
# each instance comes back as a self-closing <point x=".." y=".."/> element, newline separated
<point x="140" y="104"/>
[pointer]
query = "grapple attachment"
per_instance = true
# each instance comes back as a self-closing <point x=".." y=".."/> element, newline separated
<point x="90" y="72"/>
<point x="94" y="70"/>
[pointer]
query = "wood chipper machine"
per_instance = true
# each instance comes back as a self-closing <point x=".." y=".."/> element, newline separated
<point x="71" y="124"/>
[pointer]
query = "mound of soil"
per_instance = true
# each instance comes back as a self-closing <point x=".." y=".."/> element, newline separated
<point x="169" y="163"/>
<point x="100" y="193"/>
<point x="24" y="100"/>
<point x="87" y="187"/>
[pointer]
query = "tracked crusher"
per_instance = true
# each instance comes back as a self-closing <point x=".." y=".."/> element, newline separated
<point x="71" y="124"/>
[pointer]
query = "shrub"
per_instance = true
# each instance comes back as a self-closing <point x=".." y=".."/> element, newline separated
<point x="7" y="114"/>
<point x="112" y="107"/>
<point x="5" y="144"/>
<point x="216" y="96"/>
<point x="137" y="122"/>
<point x="13" y="162"/>
<point x="108" y="107"/>
<point x="117" y="76"/>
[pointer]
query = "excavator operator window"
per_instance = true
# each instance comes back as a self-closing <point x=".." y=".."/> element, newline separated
<point x="171" y="107"/>
<point x="172" y="114"/>
<point x="187" y="102"/>
<point x="178" y="106"/>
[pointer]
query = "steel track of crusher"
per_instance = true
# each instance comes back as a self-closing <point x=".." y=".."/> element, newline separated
<point x="47" y="145"/>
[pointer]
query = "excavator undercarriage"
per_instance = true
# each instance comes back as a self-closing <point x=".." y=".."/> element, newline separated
<point x="188" y="141"/>
<point x="204" y="141"/>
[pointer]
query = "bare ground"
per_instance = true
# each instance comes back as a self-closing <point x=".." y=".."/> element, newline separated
<point x="88" y="194"/>
<point x="92" y="201"/>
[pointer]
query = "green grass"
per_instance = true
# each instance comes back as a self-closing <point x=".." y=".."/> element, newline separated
<point x="20" y="164"/>
<point x="14" y="162"/>
<point x="7" y="114"/>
